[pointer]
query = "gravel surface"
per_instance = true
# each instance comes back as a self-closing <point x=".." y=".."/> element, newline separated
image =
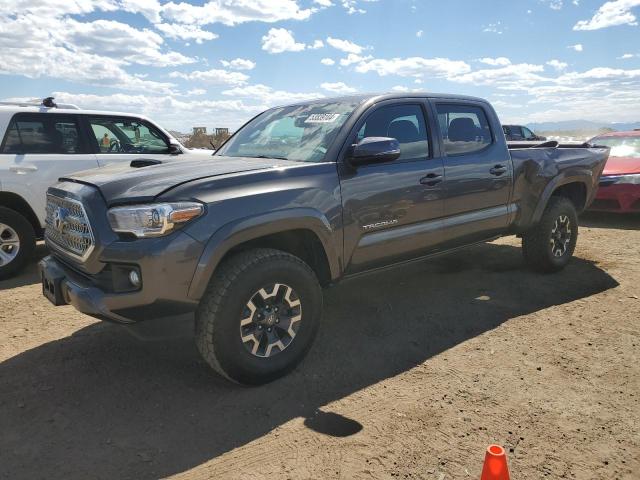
<point x="415" y="371"/>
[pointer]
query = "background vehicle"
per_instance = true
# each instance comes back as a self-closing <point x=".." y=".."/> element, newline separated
<point x="41" y="143"/>
<point x="519" y="132"/>
<point x="620" y="182"/>
<point x="304" y="196"/>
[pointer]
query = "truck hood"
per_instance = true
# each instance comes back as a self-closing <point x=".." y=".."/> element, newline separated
<point x="121" y="183"/>
<point x="622" y="166"/>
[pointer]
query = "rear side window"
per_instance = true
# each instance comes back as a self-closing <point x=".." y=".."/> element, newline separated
<point x="405" y="123"/>
<point x="465" y="128"/>
<point x="40" y="133"/>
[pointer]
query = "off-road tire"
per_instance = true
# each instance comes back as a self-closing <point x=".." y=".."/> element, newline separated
<point x="536" y="242"/>
<point x="221" y="308"/>
<point x="27" y="238"/>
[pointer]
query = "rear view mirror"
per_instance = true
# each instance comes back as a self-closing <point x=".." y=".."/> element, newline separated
<point x="375" y="150"/>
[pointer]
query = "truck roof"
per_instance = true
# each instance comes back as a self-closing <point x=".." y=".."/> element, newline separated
<point x="366" y="97"/>
<point x="11" y="109"/>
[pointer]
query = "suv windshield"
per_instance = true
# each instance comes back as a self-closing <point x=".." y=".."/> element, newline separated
<point x="302" y="133"/>
<point x="620" y="146"/>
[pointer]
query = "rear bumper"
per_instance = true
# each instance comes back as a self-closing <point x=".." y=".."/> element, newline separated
<point x="622" y="198"/>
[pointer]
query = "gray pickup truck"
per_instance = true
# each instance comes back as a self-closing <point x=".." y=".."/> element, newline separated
<point x="299" y="198"/>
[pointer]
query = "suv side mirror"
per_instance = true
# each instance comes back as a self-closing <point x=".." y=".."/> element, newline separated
<point x="174" y="148"/>
<point x="375" y="150"/>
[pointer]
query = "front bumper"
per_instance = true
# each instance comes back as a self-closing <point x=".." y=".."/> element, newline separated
<point x="166" y="268"/>
<point x="622" y="198"/>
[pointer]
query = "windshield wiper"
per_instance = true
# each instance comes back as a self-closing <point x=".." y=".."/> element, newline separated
<point x="262" y="156"/>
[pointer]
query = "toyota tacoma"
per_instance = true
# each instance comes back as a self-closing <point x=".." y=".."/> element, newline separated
<point x="301" y="197"/>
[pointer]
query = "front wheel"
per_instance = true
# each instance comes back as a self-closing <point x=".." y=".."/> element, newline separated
<point x="17" y="242"/>
<point x="549" y="246"/>
<point x="259" y="316"/>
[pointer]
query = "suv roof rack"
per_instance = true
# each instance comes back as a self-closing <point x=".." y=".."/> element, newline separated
<point x="46" y="103"/>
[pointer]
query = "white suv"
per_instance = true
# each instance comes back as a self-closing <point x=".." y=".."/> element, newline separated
<point x="42" y="142"/>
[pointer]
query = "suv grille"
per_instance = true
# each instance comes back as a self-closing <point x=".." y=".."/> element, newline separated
<point x="68" y="228"/>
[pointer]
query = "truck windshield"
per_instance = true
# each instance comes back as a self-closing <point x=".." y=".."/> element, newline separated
<point x="620" y="146"/>
<point x="301" y="133"/>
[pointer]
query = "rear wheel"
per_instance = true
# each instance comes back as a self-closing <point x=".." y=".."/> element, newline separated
<point x="17" y="242"/>
<point x="549" y="246"/>
<point x="259" y="316"/>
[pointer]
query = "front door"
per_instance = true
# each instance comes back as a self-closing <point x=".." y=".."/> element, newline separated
<point x="122" y="139"/>
<point x="391" y="211"/>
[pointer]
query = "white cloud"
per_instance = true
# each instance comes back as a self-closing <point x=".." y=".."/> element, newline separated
<point x="400" y="88"/>
<point x="612" y="13"/>
<point x="213" y="77"/>
<point x="554" y="4"/>
<point x="94" y="52"/>
<point x="626" y="56"/>
<point x="150" y="9"/>
<point x="578" y="47"/>
<point x="185" y="32"/>
<point x="496" y="62"/>
<point x="419" y="33"/>
<point x="557" y="64"/>
<point x="327" y="61"/>
<point x="233" y="12"/>
<point x="353" y="58"/>
<point x="339" y="88"/>
<point x="196" y="91"/>
<point x="413" y="67"/>
<point x="279" y="40"/>
<point x="493" y="28"/>
<point x="516" y="76"/>
<point x="324" y="3"/>
<point x="239" y="64"/>
<point x="345" y="45"/>
<point x="316" y="44"/>
<point x="269" y="96"/>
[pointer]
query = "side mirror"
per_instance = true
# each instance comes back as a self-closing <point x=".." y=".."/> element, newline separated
<point x="174" y="148"/>
<point x="372" y="150"/>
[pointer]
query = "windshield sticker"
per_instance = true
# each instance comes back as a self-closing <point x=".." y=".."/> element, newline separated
<point x="322" y="118"/>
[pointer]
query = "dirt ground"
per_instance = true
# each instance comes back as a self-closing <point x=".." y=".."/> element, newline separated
<point x="415" y="371"/>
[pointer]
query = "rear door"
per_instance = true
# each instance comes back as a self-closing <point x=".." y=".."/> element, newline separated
<point x="392" y="211"/>
<point x="122" y="139"/>
<point x="37" y="149"/>
<point x="477" y="170"/>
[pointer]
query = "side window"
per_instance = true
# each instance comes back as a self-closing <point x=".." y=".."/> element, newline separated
<point x="405" y="123"/>
<point x="465" y="128"/>
<point x="527" y="134"/>
<point x="119" y="135"/>
<point x="40" y="133"/>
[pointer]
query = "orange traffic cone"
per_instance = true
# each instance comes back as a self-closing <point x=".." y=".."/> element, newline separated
<point x="495" y="464"/>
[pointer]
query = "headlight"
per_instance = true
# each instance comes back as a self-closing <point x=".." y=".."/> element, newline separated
<point x="633" y="179"/>
<point x="153" y="220"/>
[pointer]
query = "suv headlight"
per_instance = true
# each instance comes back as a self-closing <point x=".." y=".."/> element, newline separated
<point x="153" y="220"/>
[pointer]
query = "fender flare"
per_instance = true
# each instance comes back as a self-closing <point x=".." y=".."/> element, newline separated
<point x="240" y="231"/>
<point x="582" y="176"/>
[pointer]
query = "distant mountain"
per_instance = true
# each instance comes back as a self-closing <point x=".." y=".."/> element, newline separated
<point x="573" y="125"/>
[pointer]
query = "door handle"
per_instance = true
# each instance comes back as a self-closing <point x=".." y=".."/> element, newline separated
<point x="498" y="170"/>
<point x="431" y="179"/>
<point x="21" y="170"/>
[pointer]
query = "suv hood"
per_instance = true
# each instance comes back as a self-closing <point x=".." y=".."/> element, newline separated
<point x="120" y="183"/>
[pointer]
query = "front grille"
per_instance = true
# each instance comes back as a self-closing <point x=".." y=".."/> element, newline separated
<point x="68" y="228"/>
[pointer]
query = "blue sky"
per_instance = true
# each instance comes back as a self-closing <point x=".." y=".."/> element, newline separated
<point x="218" y="62"/>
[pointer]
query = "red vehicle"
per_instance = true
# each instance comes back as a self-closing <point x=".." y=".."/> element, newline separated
<point x="619" y="189"/>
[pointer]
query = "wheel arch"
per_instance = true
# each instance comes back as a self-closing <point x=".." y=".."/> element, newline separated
<point x="575" y="187"/>
<point x="304" y="233"/>
<point x="19" y="205"/>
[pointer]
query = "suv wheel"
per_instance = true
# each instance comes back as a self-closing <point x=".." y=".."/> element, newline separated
<point x="549" y="246"/>
<point x="259" y="316"/>
<point x="17" y="242"/>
